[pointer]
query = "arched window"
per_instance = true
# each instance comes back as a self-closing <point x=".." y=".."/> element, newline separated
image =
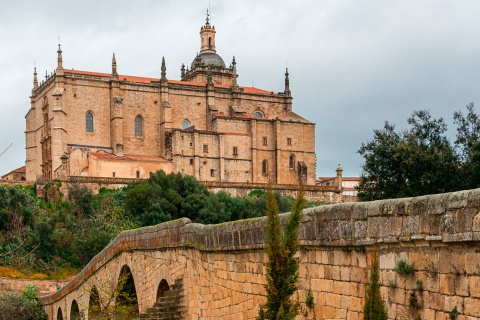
<point x="209" y="42"/>
<point x="89" y="122"/>
<point x="264" y="167"/>
<point x="185" y="124"/>
<point x="291" y="161"/>
<point x="138" y="126"/>
<point x="258" y="115"/>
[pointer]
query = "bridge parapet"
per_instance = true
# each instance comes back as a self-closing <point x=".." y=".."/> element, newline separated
<point x="335" y="241"/>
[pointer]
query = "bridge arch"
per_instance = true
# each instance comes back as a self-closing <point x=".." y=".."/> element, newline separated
<point x="59" y="314"/>
<point x="75" y="311"/>
<point x="163" y="287"/>
<point x="126" y="304"/>
<point x="94" y="307"/>
<point x="164" y="281"/>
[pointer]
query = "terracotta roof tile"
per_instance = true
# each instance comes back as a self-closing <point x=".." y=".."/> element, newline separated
<point x="293" y="117"/>
<point x="18" y="170"/>
<point x="149" y="80"/>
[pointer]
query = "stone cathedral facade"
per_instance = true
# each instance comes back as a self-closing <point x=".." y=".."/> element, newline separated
<point x="83" y="123"/>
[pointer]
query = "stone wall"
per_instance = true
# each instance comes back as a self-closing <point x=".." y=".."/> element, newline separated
<point x="313" y="193"/>
<point x="223" y="271"/>
<point x="43" y="286"/>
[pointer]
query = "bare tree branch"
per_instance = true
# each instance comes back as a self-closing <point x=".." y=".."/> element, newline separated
<point x="6" y="149"/>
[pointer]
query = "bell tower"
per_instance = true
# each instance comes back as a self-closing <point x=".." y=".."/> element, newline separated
<point x="207" y="37"/>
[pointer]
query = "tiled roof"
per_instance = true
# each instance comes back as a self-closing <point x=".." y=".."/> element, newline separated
<point x="18" y="170"/>
<point x="149" y="80"/>
<point x="110" y="156"/>
<point x="292" y="116"/>
<point x="254" y="90"/>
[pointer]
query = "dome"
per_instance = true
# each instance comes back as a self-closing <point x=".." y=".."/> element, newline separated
<point x="210" y="58"/>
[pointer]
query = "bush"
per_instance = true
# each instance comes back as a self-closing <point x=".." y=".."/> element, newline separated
<point x="24" y="306"/>
<point x="374" y="308"/>
<point x="403" y="268"/>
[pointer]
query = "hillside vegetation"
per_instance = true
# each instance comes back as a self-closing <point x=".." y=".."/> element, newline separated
<point x="53" y="239"/>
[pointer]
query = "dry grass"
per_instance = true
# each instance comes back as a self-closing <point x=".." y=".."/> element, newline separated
<point x="60" y="274"/>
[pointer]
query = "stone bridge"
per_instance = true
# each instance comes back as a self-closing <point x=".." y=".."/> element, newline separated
<point x="222" y="266"/>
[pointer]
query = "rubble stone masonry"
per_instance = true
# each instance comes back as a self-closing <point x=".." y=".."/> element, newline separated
<point x="223" y="270"/>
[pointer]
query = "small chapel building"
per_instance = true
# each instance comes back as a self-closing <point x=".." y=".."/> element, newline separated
<point x="84" y="123"/>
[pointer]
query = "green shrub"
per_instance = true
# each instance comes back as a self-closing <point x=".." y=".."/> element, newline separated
<point x="24" y="306"/>
<point x="403" y="268"/>
<point x="375" y="308"/>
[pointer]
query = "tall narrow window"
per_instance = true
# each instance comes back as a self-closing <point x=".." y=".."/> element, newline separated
<point x="264" y="167"/>
<point x="212" y="172"/>
<point x="289" y="141"/>
<point x="89" y="122"/>
<point x="205" y="148"/>
<point x="235" y="151"/>
<point x="138" y="174"/>
<point x="292" y="161"/>
<point x="264" y="141"/>
<point x="138" y="126"/>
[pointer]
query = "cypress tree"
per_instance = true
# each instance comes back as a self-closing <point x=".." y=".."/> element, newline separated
<point x="374" y="308"/>
<point x="282" y="266"/>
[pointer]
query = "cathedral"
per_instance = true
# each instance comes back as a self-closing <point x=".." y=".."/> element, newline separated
<point x="206" y="125"/>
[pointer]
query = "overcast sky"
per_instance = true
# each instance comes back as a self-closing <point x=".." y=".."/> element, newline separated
<point x="353" y="64"/>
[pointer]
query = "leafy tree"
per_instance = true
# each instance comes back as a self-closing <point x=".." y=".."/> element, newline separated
<point x="468" y="132"/>
<point x="282" y="266"/>
<point x="374" y="308"/>
<point x="82" y="199"/>
<point x="467" y="145"/>
<point x="17" y="208"/>
<point x="409" y="163"/>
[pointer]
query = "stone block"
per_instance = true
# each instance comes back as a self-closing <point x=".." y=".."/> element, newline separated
<point x="429" y="224"/>
<point x="473" y="199"/>
<point x="360" y="229"/>
<point x="387" y="261"/>
<point x="447" y="224"/>
<point x="447" y="284"/>
<point x="377" y="227"/>
<point x="395" y="226"/>
<point x="464" y="219"/>
<point x="437" y="203"/>
<point x="452" y="302"/>
<point x="457" y="200"/>
<point x="418" y="205"/>
<point x="472" y="307"/>
<point x="474" y="286"/>
<point x="374" y="208"/>
<point x="476" y="222"/>
<point x="360" y="210"/>
<point x="356" y="304"/>
<point x="428" y="314"/>
<point x="434" y="300"/>
<point x="411" y="226"/>
<point x="351" y="315"/>
<point x="397" y="296"/>
<point x="462" y="286"/>
<point x="359" y="275"/>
